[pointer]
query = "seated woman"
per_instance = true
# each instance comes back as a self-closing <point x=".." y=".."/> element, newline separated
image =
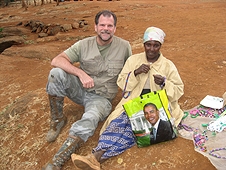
<point x="142" y="73"/>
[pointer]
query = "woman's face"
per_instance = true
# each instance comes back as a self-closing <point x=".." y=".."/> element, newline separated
<point x="151" y="114"/>
<point x="152" y="50"/>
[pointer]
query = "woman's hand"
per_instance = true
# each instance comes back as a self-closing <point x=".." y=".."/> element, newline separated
<point x="144" y="68"/>
<point x="159" y="79"/>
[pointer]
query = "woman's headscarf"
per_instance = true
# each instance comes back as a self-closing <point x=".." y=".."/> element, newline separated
<point x="154" y="33"/>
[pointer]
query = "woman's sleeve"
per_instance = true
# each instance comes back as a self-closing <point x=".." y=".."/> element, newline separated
<point x="173" y="83"/>
<point x="126" y="77"/>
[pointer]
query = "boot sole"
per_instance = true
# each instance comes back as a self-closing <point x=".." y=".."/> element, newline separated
<point x="83" y="163"/>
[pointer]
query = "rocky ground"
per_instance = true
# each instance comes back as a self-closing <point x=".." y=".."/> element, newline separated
<point x="195" y="42"/>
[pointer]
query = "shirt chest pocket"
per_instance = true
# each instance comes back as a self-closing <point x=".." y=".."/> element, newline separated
<point x="90" y="66"/>
<point x="114" y="68"/>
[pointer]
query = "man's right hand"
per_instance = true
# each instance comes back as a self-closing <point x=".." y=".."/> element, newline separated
<point x="62" y="61"/>
<point x="86" y="80"/>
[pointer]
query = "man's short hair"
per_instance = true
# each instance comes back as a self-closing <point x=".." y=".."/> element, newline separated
<point x="105" y="13"/>
<point x="150" y="104"/>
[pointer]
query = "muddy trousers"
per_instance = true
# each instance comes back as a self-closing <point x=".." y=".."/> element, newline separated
<point x="96" y="107"/>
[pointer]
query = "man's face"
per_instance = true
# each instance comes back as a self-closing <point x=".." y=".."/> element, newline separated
<point x="151" y="114"/>
<point x="152" y="49"/>
<point x="105" y="29"/>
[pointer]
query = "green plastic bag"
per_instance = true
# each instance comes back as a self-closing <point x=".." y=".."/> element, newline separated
<point x="142" y="129"/>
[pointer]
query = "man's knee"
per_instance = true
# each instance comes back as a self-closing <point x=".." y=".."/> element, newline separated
<point x="56" y="74"/>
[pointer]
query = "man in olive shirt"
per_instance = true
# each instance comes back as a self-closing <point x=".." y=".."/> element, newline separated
<point x="92" y="85"/>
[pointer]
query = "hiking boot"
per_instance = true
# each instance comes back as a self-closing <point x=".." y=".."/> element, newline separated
<point x="55" y="128"/>
<point x="64" y="153"/>
<point x="58" y="120"/>
<point x="88" y="162"/>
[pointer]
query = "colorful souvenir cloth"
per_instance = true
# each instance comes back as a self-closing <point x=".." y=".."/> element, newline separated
<point x="207" y="128"/>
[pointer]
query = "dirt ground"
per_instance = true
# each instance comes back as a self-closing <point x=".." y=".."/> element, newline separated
<point x="195" y="41"/>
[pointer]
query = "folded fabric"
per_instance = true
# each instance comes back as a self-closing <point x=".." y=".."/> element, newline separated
<point x="213" y="102"/>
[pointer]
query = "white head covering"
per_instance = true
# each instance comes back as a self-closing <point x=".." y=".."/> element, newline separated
<point x="153" y="33"/>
